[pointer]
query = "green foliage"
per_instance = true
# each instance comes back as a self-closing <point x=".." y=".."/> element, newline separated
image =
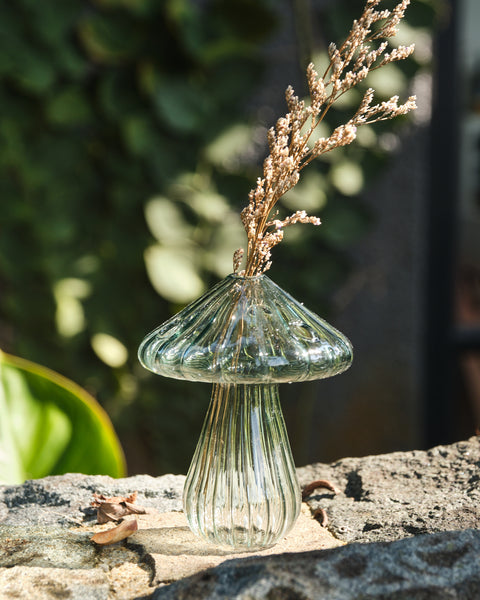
<point x="126" y="155"/>
<point x="51" y="426"/>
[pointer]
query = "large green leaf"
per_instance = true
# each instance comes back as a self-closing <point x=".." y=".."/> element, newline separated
<point x="49" y="426"/>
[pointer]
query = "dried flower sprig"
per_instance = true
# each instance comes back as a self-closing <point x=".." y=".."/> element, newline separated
<point x="289" y="140"/>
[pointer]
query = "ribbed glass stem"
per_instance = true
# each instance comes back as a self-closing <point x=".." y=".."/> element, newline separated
<point x="241" y="489"/>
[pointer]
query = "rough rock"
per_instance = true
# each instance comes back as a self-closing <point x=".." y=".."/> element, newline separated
<point x="427" y="567"/>
<point x="45" y="531"/>
<point x="173" y="552"/>
<point x="392" y="496"/>
<point x="66" y="499"/>
<point x="46" y="526"/>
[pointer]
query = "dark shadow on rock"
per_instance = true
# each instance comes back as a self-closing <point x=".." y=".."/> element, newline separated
<point x="427" y="567"/>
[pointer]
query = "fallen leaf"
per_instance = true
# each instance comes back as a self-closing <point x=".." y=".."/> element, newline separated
<point x="116" y="534"/>
<point x="320" y="483"/>
<point x="99" y="498"/>
<point x="114" y="508"/>
<point x="321" y="516"/>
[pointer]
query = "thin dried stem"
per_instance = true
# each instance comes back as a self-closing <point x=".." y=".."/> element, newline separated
<point x="363" y="51"/>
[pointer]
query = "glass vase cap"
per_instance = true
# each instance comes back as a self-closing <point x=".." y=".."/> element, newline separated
<point x="246" y="330"/>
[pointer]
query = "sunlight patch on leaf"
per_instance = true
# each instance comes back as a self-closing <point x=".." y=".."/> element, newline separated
<point x="72" y="286"/>
<point x="70" y="316"/>
<point x="307" y="195"/>
<point x="229" y="145"/>
<point x="347" y="177"/>
<point x="209" y="205"/>
<point x="366" y="136"/>
<point x="386" y="79"/>
<point x="226" y="240"/>
<point x="173" y="274"/>
<point x="109" y="350"/>
<point x="165" y="221"/>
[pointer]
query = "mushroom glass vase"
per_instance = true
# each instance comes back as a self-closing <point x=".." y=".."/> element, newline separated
<point x="245" y="335"/>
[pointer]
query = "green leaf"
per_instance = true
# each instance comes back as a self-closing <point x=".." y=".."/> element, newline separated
<point x="186" y="18"/>
<point x="227" y="147"/>
<point x="53" y="21"/>
<point x="138" y="135"/>
<point x="69" y="107"/>
<point x="234" y="71"/>
<point x="109" y="39"/>
<point x="347" y="177"/>
<point x="344" y="222"/>
<point x="226" y="238"/>
<point x="387" y="81"/>
<point x="309" y="194"/>
<point x="180" y="104"/>
<point x="137" y="7"/>
<point x="173" y="274"/>
<point x="166" y="222"/>
<point x="49" y="426"/>
<point x="245" y="19"/>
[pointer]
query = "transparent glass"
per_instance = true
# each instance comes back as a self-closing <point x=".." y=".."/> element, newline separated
<point x="246" y="330"/>
<point x="246" y="335"/>
<point x="242" y="489"/>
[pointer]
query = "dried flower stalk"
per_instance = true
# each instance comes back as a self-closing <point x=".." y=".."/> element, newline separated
<point x="363" y="51"/>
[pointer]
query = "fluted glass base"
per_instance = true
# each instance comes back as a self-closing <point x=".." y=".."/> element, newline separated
<point x="242" y="489"/>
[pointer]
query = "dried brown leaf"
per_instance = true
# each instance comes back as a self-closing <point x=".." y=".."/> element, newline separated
<point x="321" y="516"/>
<point x="116" y="534"/>
<point x="315" y="485"/>
<point x="99" y="499"/>
<point x="115" y="508"/>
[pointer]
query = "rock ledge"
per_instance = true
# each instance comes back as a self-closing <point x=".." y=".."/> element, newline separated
<point x="403" y="526"/>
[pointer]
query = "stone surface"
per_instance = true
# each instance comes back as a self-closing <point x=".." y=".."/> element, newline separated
<point x="46" y="526"/>
<point x="168" y="545"/>
<point x="61" y="558"/>
<point x="65" y="499"/>
<point x="392" y="496"/>
<point x="428" y="567"/>
<point x="43" y="584"/>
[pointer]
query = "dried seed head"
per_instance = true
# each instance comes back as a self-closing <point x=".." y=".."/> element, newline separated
<point x="364" y="49"/>
<point x="237" y="259"/>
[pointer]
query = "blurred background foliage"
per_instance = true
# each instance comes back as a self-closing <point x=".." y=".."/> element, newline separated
<point x="130" y="135"/>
